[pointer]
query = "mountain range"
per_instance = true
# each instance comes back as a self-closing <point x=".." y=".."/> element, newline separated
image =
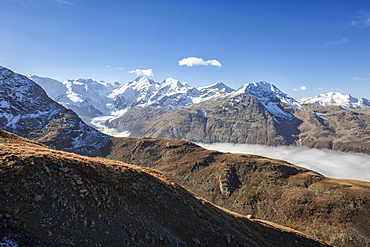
<point x="256" y="113"/>
<point x="77" y="200"/>
<point x="27" y="111"/>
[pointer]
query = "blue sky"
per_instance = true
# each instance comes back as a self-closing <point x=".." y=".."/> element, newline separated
<point x="303" y="47"/>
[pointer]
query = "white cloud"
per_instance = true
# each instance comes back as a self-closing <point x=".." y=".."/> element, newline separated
<point x="120" y="68"/>
<point x="66" y="2"/>
<point x="338" y="42"/>
<point x="364" y="21"/>
<point x="108" y="66"/>
<point x="301" y="88"/>
<point x="328" y="163"/>
<point x="356" y="78"/>
<point x="139" y="72"/>
<point x="192" y="61"/>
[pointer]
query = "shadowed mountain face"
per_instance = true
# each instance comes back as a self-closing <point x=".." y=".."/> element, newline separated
<point x="333" y="127"/>
<point x="241" y="118"/>
<point x="234" y="119"/>
<point x="53" y="198"/>
<point x="329" y="209"/>
<point x="26" y="110"/>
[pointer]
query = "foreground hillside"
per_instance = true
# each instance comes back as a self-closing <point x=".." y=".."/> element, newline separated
<point x="53" y="198"/>
<point x="330" y="209"/>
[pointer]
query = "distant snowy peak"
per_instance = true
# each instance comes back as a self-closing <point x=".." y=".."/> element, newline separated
<point x="217" y="86"/>
<point x="270" y="96"/>
<point x="54" y="89"/>
<point x="337" y="99"/>
<point x="81" y="86"/>
<point x="168" y="94"/>
<point x="264" y="92"/>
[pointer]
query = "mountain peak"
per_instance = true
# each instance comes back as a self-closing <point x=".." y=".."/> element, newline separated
<point x="337" y="99"/>
<point x="270" y="96"/>
<point x="219" y="86"/>
<point x="266" y="92"/>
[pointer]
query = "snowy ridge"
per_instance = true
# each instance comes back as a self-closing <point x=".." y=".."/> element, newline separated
<point x="98" y="102"/>
<point x="270" y="96"/>
<point x="54" y="89"/>
<point x="337" y="99"/>
<point x="88" y="95"/>
<point x="169" y="94"/>
<point x="26" y="110"/>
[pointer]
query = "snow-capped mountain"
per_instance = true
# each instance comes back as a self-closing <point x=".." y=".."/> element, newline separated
<point x="88" y="97"/>
<point x="258" y="112"/>
<point x="337" y="99"/>
<point x="26" y="110"/>
<point x="169" y="94"/>
<point x="97" y="102"/>
<point x="270" y="96"/>
<point x="54" y="89"/>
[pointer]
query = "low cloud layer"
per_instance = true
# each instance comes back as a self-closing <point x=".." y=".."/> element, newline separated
<point x="328" y="163"/>
<point x="139" y="72"/>
<point x="193" y="61"/>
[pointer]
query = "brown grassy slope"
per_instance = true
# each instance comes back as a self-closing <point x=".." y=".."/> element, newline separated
<point x="53" y="198"/>
<point x="329" y="209"/>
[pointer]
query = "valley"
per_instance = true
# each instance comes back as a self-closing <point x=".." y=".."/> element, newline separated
<point x="232" y="199"/>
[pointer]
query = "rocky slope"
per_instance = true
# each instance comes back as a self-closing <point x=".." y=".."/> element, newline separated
<point x="26" y="110"/>
<point x="333" y="127"/>
<point x="238" y="118"/>
<point x="329" y="209"/>
<point x="241" y="118"/>
<point x="256" y="113"/>
<point x="53" y="198"/>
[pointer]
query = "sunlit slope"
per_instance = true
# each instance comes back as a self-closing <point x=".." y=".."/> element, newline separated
<point x="53" y="198"/>
<point x="330" y="209"/>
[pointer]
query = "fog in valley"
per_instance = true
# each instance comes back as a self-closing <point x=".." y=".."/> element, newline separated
<point x="326" y="162"/>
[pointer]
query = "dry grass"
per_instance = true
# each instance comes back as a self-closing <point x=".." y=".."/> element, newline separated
<point x="328" y="209"/>
<point x="53" y="198"/>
